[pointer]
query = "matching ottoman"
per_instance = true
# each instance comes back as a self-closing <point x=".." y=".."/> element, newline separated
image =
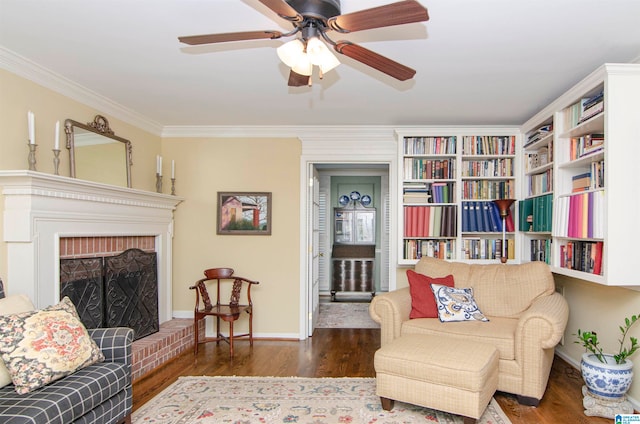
<point x="446" y="374"/>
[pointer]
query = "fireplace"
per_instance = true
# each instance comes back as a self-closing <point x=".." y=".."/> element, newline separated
<point x="42" y="209"/>
<point x="114" y="291"/>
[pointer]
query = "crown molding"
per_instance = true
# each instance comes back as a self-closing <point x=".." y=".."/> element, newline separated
<point x="30" y="70"/>
<point x="321" y="132"/>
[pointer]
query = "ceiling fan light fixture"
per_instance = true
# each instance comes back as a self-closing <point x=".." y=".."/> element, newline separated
<point x="290" y="52"/>
<point x="320" y="55"/>
<point x="303" y="65"/>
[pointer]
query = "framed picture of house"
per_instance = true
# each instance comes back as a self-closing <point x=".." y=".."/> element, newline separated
<point x="244" y="213"/>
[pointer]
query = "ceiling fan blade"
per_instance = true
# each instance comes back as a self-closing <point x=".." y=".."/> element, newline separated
<point x="376" y="61"/>
<point x="283" y="9"/>
<point x="402" y="12"/>
<point x="229" y="36"/>
<point x="297" y="80"/>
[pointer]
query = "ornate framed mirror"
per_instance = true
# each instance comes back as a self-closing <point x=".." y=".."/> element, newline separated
<point x="97" y="154"/>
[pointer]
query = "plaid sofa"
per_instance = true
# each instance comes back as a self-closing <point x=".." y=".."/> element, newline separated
<point x="100" y="393"/>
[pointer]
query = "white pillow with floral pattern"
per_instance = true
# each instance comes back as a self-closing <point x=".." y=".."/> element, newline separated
<point x="456" y="304"/>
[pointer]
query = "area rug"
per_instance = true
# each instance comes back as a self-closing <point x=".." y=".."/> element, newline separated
<point x="345" y="315"/>
<point x="246" y="400"/>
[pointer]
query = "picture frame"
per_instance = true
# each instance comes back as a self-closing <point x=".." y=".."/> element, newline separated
<point x="244" y="213"/>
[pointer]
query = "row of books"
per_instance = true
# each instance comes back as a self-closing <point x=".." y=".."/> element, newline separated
<point x="489" y="145"/>
<point x="540" y="183"/>
<point x="590" y="180"/>
<point x="541" y="157"/>
<point x="580" y="215"/>
<point x="484" y="216"/>
<point x="430" y="221"/>
<point x="536" y="213"/>
<point x="539" y="134"/>
<point x="430" y="145"/>
<point x="586" y="145"/>
<point x="585" y="256"/>
<point x="500" y="167"/>
<point x="442" y="249"/>
<point x="487" y="248"/>
<point x="541" y="250"/>
<point x="429" y="169"/>
<point x="487" y="189"/>
<point x="427" y="192"/>
<point x="591" y="106"/>
<point x="583" y="110"/>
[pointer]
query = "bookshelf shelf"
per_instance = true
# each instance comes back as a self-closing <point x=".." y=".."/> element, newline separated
<point x="540" y="169"/>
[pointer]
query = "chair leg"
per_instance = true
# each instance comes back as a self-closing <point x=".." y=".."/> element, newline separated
<point x="195" y="335"/>
<point x="250" y="328"/>
<point x="218" y="334"/>
<point x="231" y="338"/>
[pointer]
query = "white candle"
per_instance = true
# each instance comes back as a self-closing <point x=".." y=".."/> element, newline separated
<point x="56" y="144"/>
<point x="32" y="128"/>
<point x="160" y="165"/>
<point x="173" y="168"/>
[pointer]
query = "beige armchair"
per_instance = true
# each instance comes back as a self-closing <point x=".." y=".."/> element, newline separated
<point x="527" y="319"/>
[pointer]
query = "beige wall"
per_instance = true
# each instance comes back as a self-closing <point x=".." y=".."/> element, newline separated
<point x="206" y="166"/>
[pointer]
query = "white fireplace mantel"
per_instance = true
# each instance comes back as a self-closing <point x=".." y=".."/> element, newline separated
<point x="40" y="209"/>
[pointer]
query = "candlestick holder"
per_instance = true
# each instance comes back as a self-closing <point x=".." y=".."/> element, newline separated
<point x="56" y="161"/>
<point x="32" y="156"/>
<point x="173" y="186"/>
<point x="158" y="183"/>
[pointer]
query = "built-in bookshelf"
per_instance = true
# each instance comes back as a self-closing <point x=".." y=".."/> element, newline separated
<point x="585" y="166"/>
<point x="449" y="178"/>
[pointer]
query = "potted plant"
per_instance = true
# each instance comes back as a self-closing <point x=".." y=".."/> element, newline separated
<point x="608" y="374"/>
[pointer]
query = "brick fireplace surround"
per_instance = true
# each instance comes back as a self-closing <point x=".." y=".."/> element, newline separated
<point x="48" y="217"/>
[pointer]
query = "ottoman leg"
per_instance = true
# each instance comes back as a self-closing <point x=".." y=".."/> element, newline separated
<point x="387" y="404"/>
<point x="469" y="420"/>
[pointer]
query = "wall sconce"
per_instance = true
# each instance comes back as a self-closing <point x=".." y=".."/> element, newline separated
<point x="504" y="206"/>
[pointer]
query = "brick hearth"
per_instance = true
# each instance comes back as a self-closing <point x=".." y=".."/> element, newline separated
<point x="175" y="336"/>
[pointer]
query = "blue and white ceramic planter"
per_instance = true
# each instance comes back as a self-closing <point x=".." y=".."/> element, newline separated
<point x="608" y="380"/>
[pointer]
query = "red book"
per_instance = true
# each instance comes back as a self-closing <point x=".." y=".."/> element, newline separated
<point x="420" y="221"/>
<point x="597" y="264"/>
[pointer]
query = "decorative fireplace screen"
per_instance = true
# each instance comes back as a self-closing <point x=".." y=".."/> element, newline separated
<point x="114" y="291"/>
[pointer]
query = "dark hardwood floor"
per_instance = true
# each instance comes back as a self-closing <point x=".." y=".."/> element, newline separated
<point x="349" y="353"/>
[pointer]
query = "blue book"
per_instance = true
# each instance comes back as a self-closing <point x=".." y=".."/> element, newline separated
<point x="486" y="223"/>
<point x="465" y="217"/>
<point x="496" y="225"/>
<point x="472" y="217"/>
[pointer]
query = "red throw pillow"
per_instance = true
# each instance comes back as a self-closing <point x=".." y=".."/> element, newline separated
<point x="423" y="302"/>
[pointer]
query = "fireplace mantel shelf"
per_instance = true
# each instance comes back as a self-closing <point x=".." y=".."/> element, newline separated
<point x="40" y="209"/>
<point x="24" y="182"/>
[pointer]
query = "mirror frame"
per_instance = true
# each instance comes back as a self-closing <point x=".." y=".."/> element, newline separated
<point x="100" y="126"/>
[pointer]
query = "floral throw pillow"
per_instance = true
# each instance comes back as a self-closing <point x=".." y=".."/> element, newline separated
<point x="456" y="304"/>
<point x="39" y="347"/>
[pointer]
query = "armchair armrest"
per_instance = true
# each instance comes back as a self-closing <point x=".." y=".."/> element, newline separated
<point x="390" y="310"/>
<point x="115" y="343"/>
<point x="544" y="322"/>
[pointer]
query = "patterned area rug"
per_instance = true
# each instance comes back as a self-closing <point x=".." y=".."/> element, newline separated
<point x="345" y="315"/>
<point x="245" y="400"/>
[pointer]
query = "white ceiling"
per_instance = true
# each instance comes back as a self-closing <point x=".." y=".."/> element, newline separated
<point x="478" y="62"/>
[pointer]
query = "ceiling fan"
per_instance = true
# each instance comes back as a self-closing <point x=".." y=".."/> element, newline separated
<point x="313" y="19"/>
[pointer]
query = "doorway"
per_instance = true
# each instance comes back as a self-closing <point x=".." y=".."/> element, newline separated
<point x="326" y="183"/>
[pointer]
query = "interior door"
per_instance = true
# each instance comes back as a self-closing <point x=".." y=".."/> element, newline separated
<point x="315" y="251"/>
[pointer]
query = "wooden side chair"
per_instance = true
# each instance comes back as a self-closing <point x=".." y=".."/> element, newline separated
<point x="229" y="311"/>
